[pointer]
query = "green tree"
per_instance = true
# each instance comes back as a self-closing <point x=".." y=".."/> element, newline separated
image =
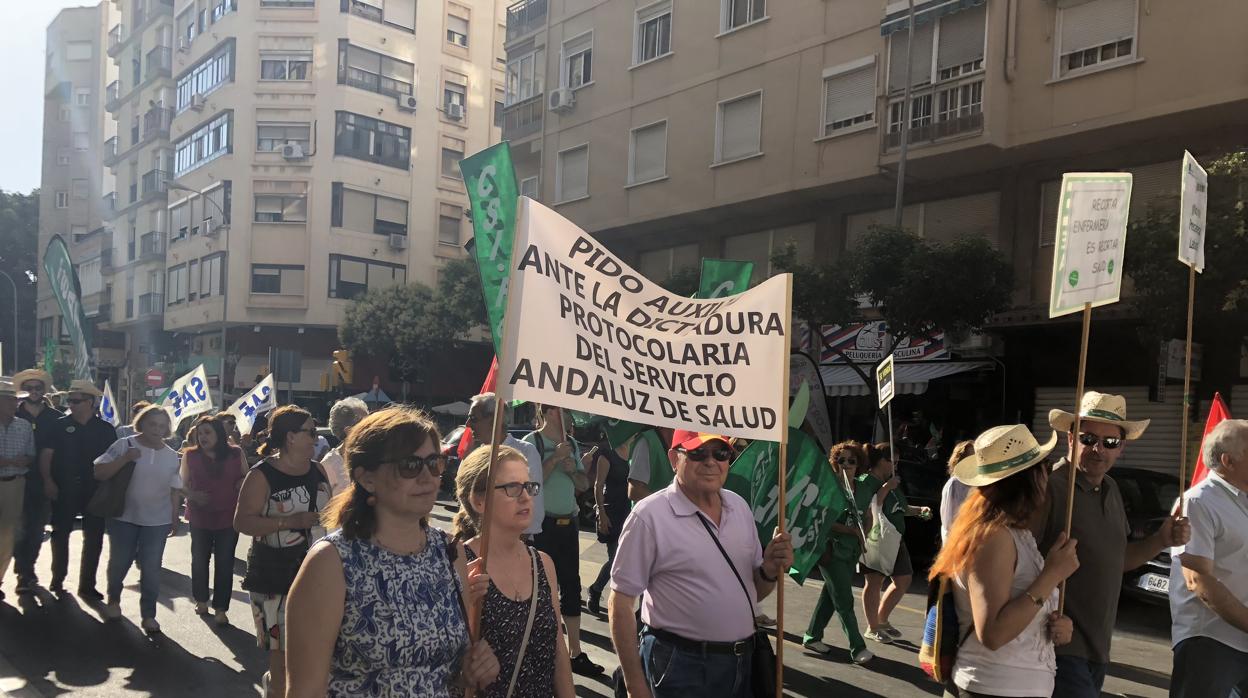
<point x="683" y="281"/>
<point x="19" y="238"/>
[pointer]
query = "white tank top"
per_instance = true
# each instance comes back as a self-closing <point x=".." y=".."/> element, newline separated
<point x="1026" y="665"/>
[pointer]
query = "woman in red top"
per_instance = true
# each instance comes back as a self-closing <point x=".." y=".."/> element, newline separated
<point x="212" y="472"/>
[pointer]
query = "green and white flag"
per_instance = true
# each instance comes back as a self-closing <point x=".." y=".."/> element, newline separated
<point x="814" y="499"/>
<point x="723" y="277"/>
<point x="492" y="191"/>
<point x="63" y="279"/>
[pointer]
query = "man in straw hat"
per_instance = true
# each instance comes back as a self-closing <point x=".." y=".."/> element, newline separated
<point x="1100" y="525"/>
<point x="33" y="385"/>
<point x="17" y="454"/>
<point x="67" y="463"/>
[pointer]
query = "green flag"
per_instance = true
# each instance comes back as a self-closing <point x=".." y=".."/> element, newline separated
<point x="49" y="355"/>
<point x="723" y="277"/>
<point x="492" y="191"/>
<point x="63" y="279"/>
<point x="814" y="498"/>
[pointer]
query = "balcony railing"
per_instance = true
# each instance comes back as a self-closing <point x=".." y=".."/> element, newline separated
<point x="109" y="202"/>
<point x="525" y="16"/>
<point x="156" y="122"/>
<point x="944" y="110"/>
<point x="116" y="36"/>
<point x="523" y="118"/>
<point x="159" y="63"/>
<point x="155" y="182"/>
<point x="112" y="94"/>
<point x="110" y="149"/>
<point x="151" y="303"/>
<point x="151" y="245"/>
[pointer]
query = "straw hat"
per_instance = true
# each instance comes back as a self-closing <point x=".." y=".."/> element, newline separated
<point x="7" y="389"/>
<point x="34" y="374"/>
<point x="84" y="386"/>
<point x="1103" y="409"/>
<point x="999" y="453"/>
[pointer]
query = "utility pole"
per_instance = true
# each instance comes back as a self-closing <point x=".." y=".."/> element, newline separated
<point x="905" y="122"/>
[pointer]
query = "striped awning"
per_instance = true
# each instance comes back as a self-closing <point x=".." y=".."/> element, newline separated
<point x="924" y="13"/>
<point x="911" y="378"/>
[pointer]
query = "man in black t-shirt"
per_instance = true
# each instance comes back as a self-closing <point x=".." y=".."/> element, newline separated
<point x="37" y="410"/>
<point x="67" y="463"/>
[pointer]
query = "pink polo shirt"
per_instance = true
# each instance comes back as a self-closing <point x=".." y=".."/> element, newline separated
<point x="689" y="590"/>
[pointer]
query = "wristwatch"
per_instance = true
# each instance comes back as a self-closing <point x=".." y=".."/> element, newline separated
<point x="762" y="572"/>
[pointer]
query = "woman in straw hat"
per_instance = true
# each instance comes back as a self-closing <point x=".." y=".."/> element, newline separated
<point x="1004" y="591"/>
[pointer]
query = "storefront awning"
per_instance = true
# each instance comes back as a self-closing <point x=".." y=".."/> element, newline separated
<point x="924" y="13"/>
<point x="912" y="378"/>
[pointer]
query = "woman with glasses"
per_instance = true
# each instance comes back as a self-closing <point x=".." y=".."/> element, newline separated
<point x="520" y="618"/>
<point x="837" y="564"/>
<point x="379" y="607"/>
<point x="279" y="507"/>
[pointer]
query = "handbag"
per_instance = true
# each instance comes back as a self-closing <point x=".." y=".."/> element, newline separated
<point x="528" y="628"/>
<point x="109" y="499"/>
<point x="939" y="648"/>
<point x="762" y="656"/>
<point x="883" y="542"/>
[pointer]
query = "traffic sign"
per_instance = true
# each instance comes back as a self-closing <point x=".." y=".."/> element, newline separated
<point x="155" y="378"/>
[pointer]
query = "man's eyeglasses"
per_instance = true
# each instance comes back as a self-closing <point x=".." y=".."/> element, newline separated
<point x="722" y="453"/>
<point x="32" y="387"/>
<point x="513" y="489"/>
<point x="1108" y="443"/>
<point x="77" y="400"/>
<point x="409" y="468"/>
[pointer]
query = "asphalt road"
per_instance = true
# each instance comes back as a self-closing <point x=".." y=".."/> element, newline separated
<point x="61" y="647"/>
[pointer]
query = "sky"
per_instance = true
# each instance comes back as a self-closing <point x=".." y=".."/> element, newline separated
<point x="21" y="87"/>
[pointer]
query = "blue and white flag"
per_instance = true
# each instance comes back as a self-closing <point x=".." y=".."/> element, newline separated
<point x="188" y="396"/>
<point x="108" y="406"/>
<point x="256" y="401"/>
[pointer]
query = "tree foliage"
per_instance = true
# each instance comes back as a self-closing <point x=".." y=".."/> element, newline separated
<point x="19" y="239"/>
<point x="683" y="281"/>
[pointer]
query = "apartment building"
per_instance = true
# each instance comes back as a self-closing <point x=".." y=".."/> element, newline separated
<point x="301" y="153"/>
<point x="76" y="130"/>
<point x="680" y="129"/>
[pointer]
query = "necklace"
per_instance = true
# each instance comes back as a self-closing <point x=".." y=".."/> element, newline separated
<point x="424" y="543"/>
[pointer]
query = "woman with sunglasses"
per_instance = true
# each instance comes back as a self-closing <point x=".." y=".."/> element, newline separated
<point x="837" y="564"/>
<point x="378" y="608"/>
<point x="520" y="618"/>
<point x="279" y="507"/>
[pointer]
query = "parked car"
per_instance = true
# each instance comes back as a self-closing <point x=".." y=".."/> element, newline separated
<point x="1149" y="497"/>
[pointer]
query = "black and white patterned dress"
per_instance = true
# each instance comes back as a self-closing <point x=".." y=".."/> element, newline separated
<point x="503" y="621"/>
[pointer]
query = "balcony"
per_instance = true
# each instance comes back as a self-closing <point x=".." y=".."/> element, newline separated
<point x="523" y="118"/>
<point x="151" y="246"/>
<point x="151" y="304"/>
<point x="525" y="16"/>
<point x="112" y="95"/>
<point x="945" y="110"/>
<point x="159" y="63"/>
<point x="109" y="153"/>
<point x="116" y="37"/>
<point x="155" y="182"/>
<point x="363" y="9"/>
<point x="109" y="202"/>
<point x="156" y="123"/>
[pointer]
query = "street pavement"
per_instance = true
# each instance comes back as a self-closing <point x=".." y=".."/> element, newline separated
<point x="61" y="647"/>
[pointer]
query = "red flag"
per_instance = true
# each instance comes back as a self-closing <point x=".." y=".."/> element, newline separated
<point x="1217" y="413"/>
<point x="491" y="381"/>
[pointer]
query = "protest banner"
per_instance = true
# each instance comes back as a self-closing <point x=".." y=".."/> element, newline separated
<point x="108" y="406"/>
<point x="1193" y="205"/>
<point x="62" y="277"/>
<point x="254" y="402"/>
<point x="586" y="332"/>
<point x="187" y="397"/>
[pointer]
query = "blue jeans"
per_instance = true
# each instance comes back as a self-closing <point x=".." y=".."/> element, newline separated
<point x="1078" y="678"/>
<point x="128" y="543"/>
<point x="677" y="673"/>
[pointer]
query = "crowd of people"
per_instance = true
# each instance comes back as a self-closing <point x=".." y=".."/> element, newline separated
<point x="355" y="592"/>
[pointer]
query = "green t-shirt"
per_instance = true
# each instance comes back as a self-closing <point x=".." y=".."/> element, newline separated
<point x="845" y="546"/>
<point x="558" y="492"/>
<point x="894" y="504"/>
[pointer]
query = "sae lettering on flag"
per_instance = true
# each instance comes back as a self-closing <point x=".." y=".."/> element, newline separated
<point x="258" y="400"/>
<point x="108" y="406"/>
<point x="188" y="396"/>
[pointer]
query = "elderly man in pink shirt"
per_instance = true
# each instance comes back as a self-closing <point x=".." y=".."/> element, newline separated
<point x="697" y="615"/>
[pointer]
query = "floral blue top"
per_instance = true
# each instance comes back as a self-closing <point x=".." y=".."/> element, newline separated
<point x="403" y="627"/>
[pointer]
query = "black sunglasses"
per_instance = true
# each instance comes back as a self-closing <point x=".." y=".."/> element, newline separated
<point x="846" y="461"/>
<point x="513" y="489"/>
<point x="32" y="387"/>
<point x="1108" y="443"/>
<point x="77" y="400"/>
<point x="701" y="453"/>
<point x="410" y="467"/>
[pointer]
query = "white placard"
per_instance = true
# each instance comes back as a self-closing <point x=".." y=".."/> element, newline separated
<point x="586" y="332"/>
<point x="1193" y="209"/>
<point x="188" y="396"/>
<point x="256" y="401"/>
<point x="885" y="383"/>
<point x="1091" y="239"/>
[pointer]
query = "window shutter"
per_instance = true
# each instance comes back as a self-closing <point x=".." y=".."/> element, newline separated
<point x="1050" y="195"/>
<point x="574" y="174"/>
<point x="961" y="38"/>
<point x="740" y="124"/>
<point x="391" y="210"/>
<point x="1097" y="23"/>
<point x="649" y="153"/>
<point x="400" y="12"/>
<point x="655" y="265"/>
<point x="849" y="95"/>
<point x="920" y="58"/>
<point x="975" y="215"/>
<point x="458" y="25"/>
<point x="686" y="256"/>
<point x="1154" y="185"/>
<point x="357" y="211"/>
<point x="578" y="44"/>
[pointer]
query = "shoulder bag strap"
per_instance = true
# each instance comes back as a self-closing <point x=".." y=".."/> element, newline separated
<point x="528" y="628"/>
<point x="748" y="600"/>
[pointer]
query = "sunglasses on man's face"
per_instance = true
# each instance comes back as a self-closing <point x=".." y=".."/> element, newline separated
<point x="32" y="387"/>
<point x="701" y="453"/>
<point x="1108" y="443"/>
<point x="77" y="400"/>
<point x="410" y="467"/>
<point x="513" y="489"/>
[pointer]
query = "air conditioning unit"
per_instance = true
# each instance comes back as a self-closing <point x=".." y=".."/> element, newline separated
<point x="455" y="112"/>
<point x="398" y="242"/>
<point x="184" y="44"/>
<point x="198" y="102"/>
<point x="292" y="151"/>
<point x="406" y="102"/>
<point x="562" y="99"/>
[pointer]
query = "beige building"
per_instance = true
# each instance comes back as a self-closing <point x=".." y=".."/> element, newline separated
<point x="76" y="130"/>
<point x="682" y="129"/>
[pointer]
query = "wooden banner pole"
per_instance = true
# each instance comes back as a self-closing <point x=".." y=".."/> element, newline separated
<point x="1074" y="429"/>
<point x="474" y="622"/>
<point x="1187" y="390"/>
<point x="780" y="508"/>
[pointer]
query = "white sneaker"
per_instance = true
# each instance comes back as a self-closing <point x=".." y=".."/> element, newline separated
<point x="818" y="646"/>
<point x="879" y="636"/>
<point x="862" y="656"/>
<point x="112" y="611"/>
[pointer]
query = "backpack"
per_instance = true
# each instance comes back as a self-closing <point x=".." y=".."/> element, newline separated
<point x="939" y="648"/>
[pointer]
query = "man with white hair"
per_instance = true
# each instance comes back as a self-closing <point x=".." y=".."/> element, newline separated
<point x="1209" y="610"/>
<point x="345" y="414"/>
<point x="481" y="421"/>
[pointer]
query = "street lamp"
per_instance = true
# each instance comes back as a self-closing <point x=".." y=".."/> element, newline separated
<point x="224" y="226"/>
<point x="16" y="364"/>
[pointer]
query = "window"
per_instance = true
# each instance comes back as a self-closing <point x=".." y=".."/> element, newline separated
<point x="82" y="96"/>
<point x="78" y="188"/>
<point x="738" y="13"/>
<point x="572" y="174"/>
<point x="959" y="51"/>
<point x="529" y="187"/>
<point x="285" y="279"/>
<point x="81" y="140"/>
<point x="192" y="279"/>
<point x="524" y="76"/>
<point x="221" y="8"/>
<point x="62" y="156"/>
<point x="281" y="208"/>
<point x="294" y="65"/>
<point x="1094" y="33"/>
<point x="450" y="220"/>
<point x="367" y="213"/>
<point x="396" y="13"/>
<point x="454" y="93"/>
<point x="647" y="153"/>
<point x="216" y="203"/>
<point x="180" y="220"/>
<point x="204" y="144"/>
<point x="498" y="113"/>
<point x="206" y="76"/>
<point x="848" y="97"/>
<point x="653" y="32"/>
<point x="739" y="128"/>
<point x="62" y="199"/>
<point x="372" y="71"/>
<point x="175" y="289"/>
<point x="371" y="139"/>
<point x="457" y="30"/>
<point x="270" y="137"/>
<point x="287" y="3"/>
<point x="578" y="57"/>
<point x="351" y="277"/>
<point x="660" y="265"/>
<point x="64" y="114"/>
<point x="211" y="275"/>
<point x="78" y="51"/>
<point x="452" y="153"/>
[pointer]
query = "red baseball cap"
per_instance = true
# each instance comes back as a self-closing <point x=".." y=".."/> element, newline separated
<point x="689" y="440"/>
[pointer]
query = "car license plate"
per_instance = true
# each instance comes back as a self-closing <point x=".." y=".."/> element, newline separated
<point x="1155" y="582"/>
